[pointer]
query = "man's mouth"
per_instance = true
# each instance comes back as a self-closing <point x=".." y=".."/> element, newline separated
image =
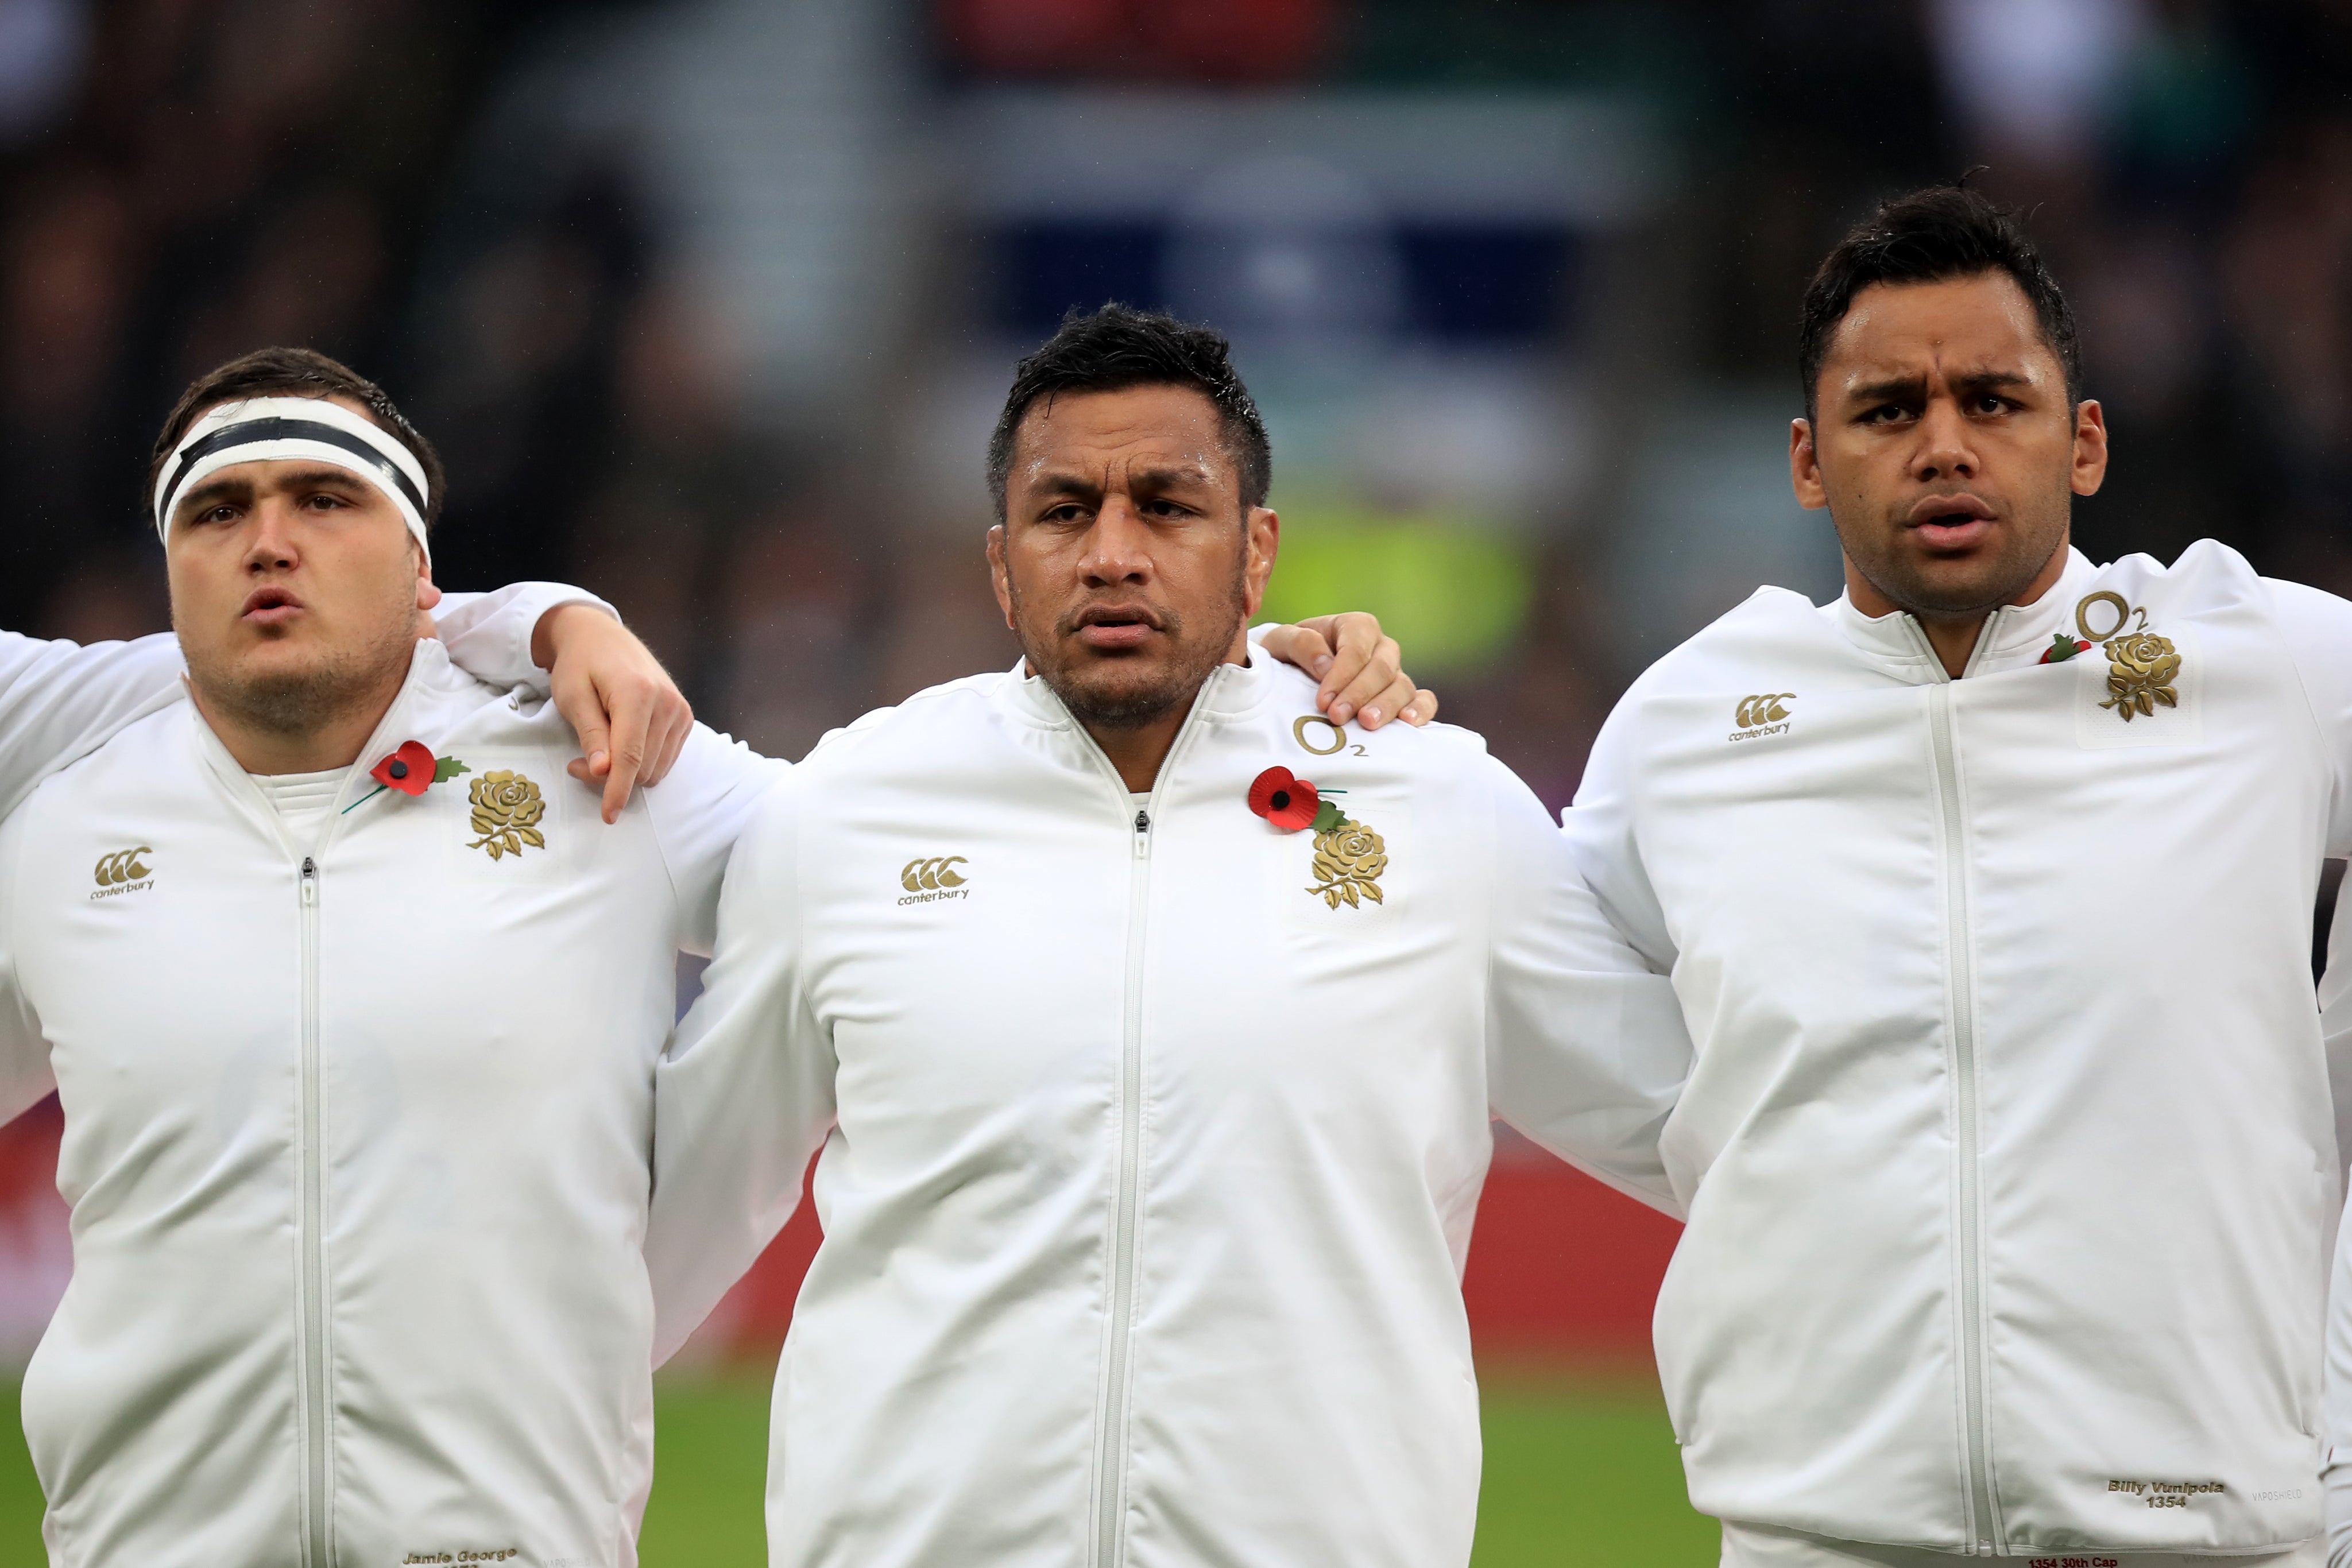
<point x="1951" y="522"/>
<point x="1113" y="627"/>
<point x="269" y="607"/>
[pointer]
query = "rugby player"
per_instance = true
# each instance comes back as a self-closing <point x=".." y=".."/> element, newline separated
<point x="1987" y="890"/>
<point x="1151" y="1024"/>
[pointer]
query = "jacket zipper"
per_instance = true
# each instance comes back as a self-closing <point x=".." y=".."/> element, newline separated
<point x="315" y="1552"/>
<point x="1984" y="1528"/>
<point x="1127" y="1197"/>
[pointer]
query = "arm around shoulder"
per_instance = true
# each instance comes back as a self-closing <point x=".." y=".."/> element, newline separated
<point x="26" y="1076"/>
<point x="2336" y="1471"/>
<point x="61" y="701"/>
<point x="1587" y="1051"/>
<point x="488" y="635"/>
<point x="2318" y="629"/>
<point x="745" y="1094"/>
<point x="699" y="812"/>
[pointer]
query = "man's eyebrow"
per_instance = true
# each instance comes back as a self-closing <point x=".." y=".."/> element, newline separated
<point x="325" y="473"/>
<point x="1067" y="482"/>
<point x="1887" y="389"/>
<point x="1894" y="389"/>
<point x="215" y="490"/>
<point x="1988" y="380"/>
<point x="1174" y="474"/>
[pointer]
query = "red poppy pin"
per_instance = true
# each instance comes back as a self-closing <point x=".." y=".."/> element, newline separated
<point x="1289" y="803"/>
<point x="411" y="769"/>
<point x="1292" y="804"/>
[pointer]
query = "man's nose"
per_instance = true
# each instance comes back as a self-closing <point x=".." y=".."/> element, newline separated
<point x="271" y="546"/>
<point x="1118" y="546"/>
<point x="1945" y="449"/>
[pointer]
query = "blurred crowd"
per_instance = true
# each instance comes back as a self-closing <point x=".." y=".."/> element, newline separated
<point x="189" y="179"/>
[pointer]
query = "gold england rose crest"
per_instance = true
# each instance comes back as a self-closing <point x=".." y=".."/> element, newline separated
<point x="507" y="810"/>
<point x="1349" y="859"/>
<point x="2142" y="667"/>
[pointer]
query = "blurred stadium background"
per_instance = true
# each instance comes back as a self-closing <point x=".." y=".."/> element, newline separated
<point x="710" y="303"/>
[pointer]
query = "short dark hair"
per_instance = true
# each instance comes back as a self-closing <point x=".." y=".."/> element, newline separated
<point x="1930" y="237"/>
<point x="294" y="373"/>
<point x="1119" y="347"/>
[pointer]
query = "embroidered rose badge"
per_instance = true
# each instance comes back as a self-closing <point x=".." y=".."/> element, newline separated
<point x="2141" y="668"/>
<point x="1349" y="859"/>
<point x="506" y="811"/>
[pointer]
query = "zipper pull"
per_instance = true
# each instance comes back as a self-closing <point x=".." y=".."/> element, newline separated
<point x="1143" y="835"/>
<point x="310" y="882"/>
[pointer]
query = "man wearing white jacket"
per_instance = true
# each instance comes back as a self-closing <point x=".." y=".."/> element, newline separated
<point x="1987" y="890"/>
<point x="1151" y="1024"/>
<point x="353" y="1005"/>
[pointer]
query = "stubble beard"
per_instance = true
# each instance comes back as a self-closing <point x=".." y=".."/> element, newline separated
<point x="1985" y="587"/>
<point x="1092" y="688"/>
<point x="296" y="703"/>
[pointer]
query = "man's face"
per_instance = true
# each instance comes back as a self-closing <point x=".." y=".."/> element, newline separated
<point x="296" y="590"/>
<point x="1127" y="566"/>
<point x="1945" y="448"/>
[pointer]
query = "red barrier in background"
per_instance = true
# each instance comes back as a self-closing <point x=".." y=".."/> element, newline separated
<point x="35" y="1256"/>
<point x="1561" y="1268"/>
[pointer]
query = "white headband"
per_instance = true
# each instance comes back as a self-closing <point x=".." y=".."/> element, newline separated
<point x="263" y="429"/>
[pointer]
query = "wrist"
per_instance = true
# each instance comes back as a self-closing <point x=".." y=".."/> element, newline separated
<point x="558" y="627"/>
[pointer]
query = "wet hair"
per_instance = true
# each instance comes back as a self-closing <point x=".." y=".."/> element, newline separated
<point x="295" y="372"/>
<point x="1933" y="236"/>
<point x="1119" y="347"/>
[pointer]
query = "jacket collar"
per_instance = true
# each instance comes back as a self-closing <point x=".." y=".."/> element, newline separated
<point x="2013" y="635"/>
<point x="1232" y="691"/>
<point x="430" y="674"/>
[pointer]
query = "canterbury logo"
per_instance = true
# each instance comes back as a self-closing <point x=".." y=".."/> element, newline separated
<point x="929" y="880"/>
<point x="123" y="866"/>
<point x="1765" y="709"/>
<point x="930" y="876"/>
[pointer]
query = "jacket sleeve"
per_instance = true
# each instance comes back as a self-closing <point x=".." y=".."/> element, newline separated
<point x="2317" y="628"/>
<point x="1586" y="1048"/>
<point x="745" y="1094"/>
<point x="25" y="1078"/>
<point x="698" y="812"/>
<point x="2336" y="1475"/>
<point x="1601" y="838"/>
<point x="61" y="701"/>
<point x="489" y="634"/>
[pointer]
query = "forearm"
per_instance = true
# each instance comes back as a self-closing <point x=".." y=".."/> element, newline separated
<point x="59" y="701"/>
<point x="495" y="637"/>
<point x="1587" y="1051"/>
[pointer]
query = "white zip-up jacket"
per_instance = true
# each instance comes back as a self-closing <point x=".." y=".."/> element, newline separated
<point x="357" y="1138"/>
<point x="1149" y="1168"/>
<point x="2008" y="1153"/>
<point x="61" y="700"/>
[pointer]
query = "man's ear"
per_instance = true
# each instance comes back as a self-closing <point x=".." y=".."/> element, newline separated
<point x="997" y="570"/>
<point x="1805" y="466"/>
<point x="428" y="593"/>
<point x="1263" y="536"/>
<point x="2090" y="447"/>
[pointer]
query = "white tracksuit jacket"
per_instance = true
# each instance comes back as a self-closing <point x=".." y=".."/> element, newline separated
<point x="356" y="1139"/>
<point x="2007" y="1153"/>
<point x="59" y="700"/>
<point x="1148" y="1171"/>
